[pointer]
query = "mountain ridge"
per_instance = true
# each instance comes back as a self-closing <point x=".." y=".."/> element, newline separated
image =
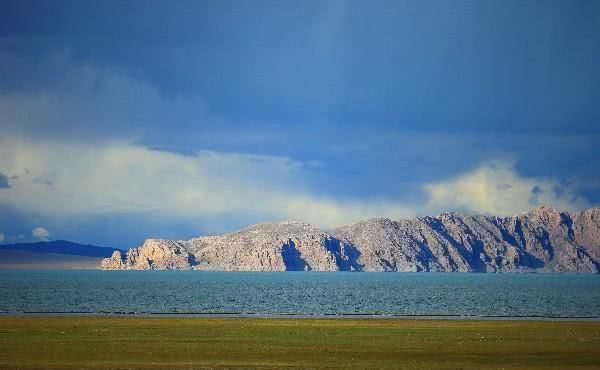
<point x="543" y="239"/>
<point x="61" y="247"/>
<point x="57" y="254"/>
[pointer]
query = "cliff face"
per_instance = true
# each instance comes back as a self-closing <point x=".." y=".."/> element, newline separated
<point x="280" y="246"/>
<point x="542" y="239"/>
<point x="155" y="254"/>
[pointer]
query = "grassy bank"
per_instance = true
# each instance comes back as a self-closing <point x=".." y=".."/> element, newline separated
<point x="185" y="343"/>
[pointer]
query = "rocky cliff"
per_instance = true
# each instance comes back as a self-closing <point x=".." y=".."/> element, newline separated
<point x="543" y="239"/>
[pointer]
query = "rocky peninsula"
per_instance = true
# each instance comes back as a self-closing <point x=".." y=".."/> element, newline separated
<point x="541" y="240"/>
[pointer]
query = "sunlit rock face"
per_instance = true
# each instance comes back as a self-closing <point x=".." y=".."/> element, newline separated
<point x="543" y="239"/>
<point x="114" y="262"/>
<point x="279" y="246"/>
<point x="154" y="254"/>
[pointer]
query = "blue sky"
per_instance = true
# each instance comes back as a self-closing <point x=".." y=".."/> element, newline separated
<point x="121" y="120"/>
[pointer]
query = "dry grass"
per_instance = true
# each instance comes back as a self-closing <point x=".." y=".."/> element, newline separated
<point x="77" y="342"/>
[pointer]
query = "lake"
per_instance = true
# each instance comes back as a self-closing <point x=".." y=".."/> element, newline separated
<point x="300" y="293"/>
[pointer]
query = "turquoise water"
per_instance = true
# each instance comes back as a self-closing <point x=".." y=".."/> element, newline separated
<point x="300" y="293"/>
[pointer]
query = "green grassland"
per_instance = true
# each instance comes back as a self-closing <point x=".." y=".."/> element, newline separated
<point x="80" y="342"/>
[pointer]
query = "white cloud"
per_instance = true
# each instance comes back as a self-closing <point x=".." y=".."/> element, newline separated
<point x="40" y="233"/>
<point x="497" y="188"/>
<point x="1" y="237"/>
<point x="67" y="180"/>
<point x="70" y="180"/>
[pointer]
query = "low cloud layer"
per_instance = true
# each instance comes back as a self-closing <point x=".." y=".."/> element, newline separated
<point x="497" y="188"/>
<point x="121" y="178"/>
<point x="56" y="180"/>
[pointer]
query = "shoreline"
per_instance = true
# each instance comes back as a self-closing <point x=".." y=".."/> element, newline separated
<point x="294" y="316"/>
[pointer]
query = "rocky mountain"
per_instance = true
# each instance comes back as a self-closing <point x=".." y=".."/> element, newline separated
<point x="543" y="239"/>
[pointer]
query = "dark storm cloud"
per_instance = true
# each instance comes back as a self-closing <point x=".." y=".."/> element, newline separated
<point x="468" y="66"/>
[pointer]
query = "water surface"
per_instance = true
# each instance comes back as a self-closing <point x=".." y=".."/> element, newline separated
<point x="300" y="293"/>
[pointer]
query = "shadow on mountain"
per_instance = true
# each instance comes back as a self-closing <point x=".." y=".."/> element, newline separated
<point x="292" y="259"/>
<point x="192" y="260"/>
<point x="346" y="255"/>
<point x="525" y="258"/>
<point x="472" y="257"/>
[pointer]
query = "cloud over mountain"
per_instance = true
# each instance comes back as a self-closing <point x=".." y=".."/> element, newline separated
<point x="40" y="233"/>
<point x="59" y="180"/>
<point x="497" y="188"/>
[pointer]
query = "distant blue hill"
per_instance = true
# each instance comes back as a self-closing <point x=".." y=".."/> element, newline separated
<point x="61" y="247"/>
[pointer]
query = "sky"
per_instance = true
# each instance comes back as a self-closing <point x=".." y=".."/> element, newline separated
<point x="124" y="120"/>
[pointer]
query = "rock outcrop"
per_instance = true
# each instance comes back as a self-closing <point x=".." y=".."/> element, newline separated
<point x="543" y="239"/>
<point x="154" y="254"/>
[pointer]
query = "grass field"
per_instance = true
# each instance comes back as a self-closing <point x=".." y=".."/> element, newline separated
<point x="77" y="342"/>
